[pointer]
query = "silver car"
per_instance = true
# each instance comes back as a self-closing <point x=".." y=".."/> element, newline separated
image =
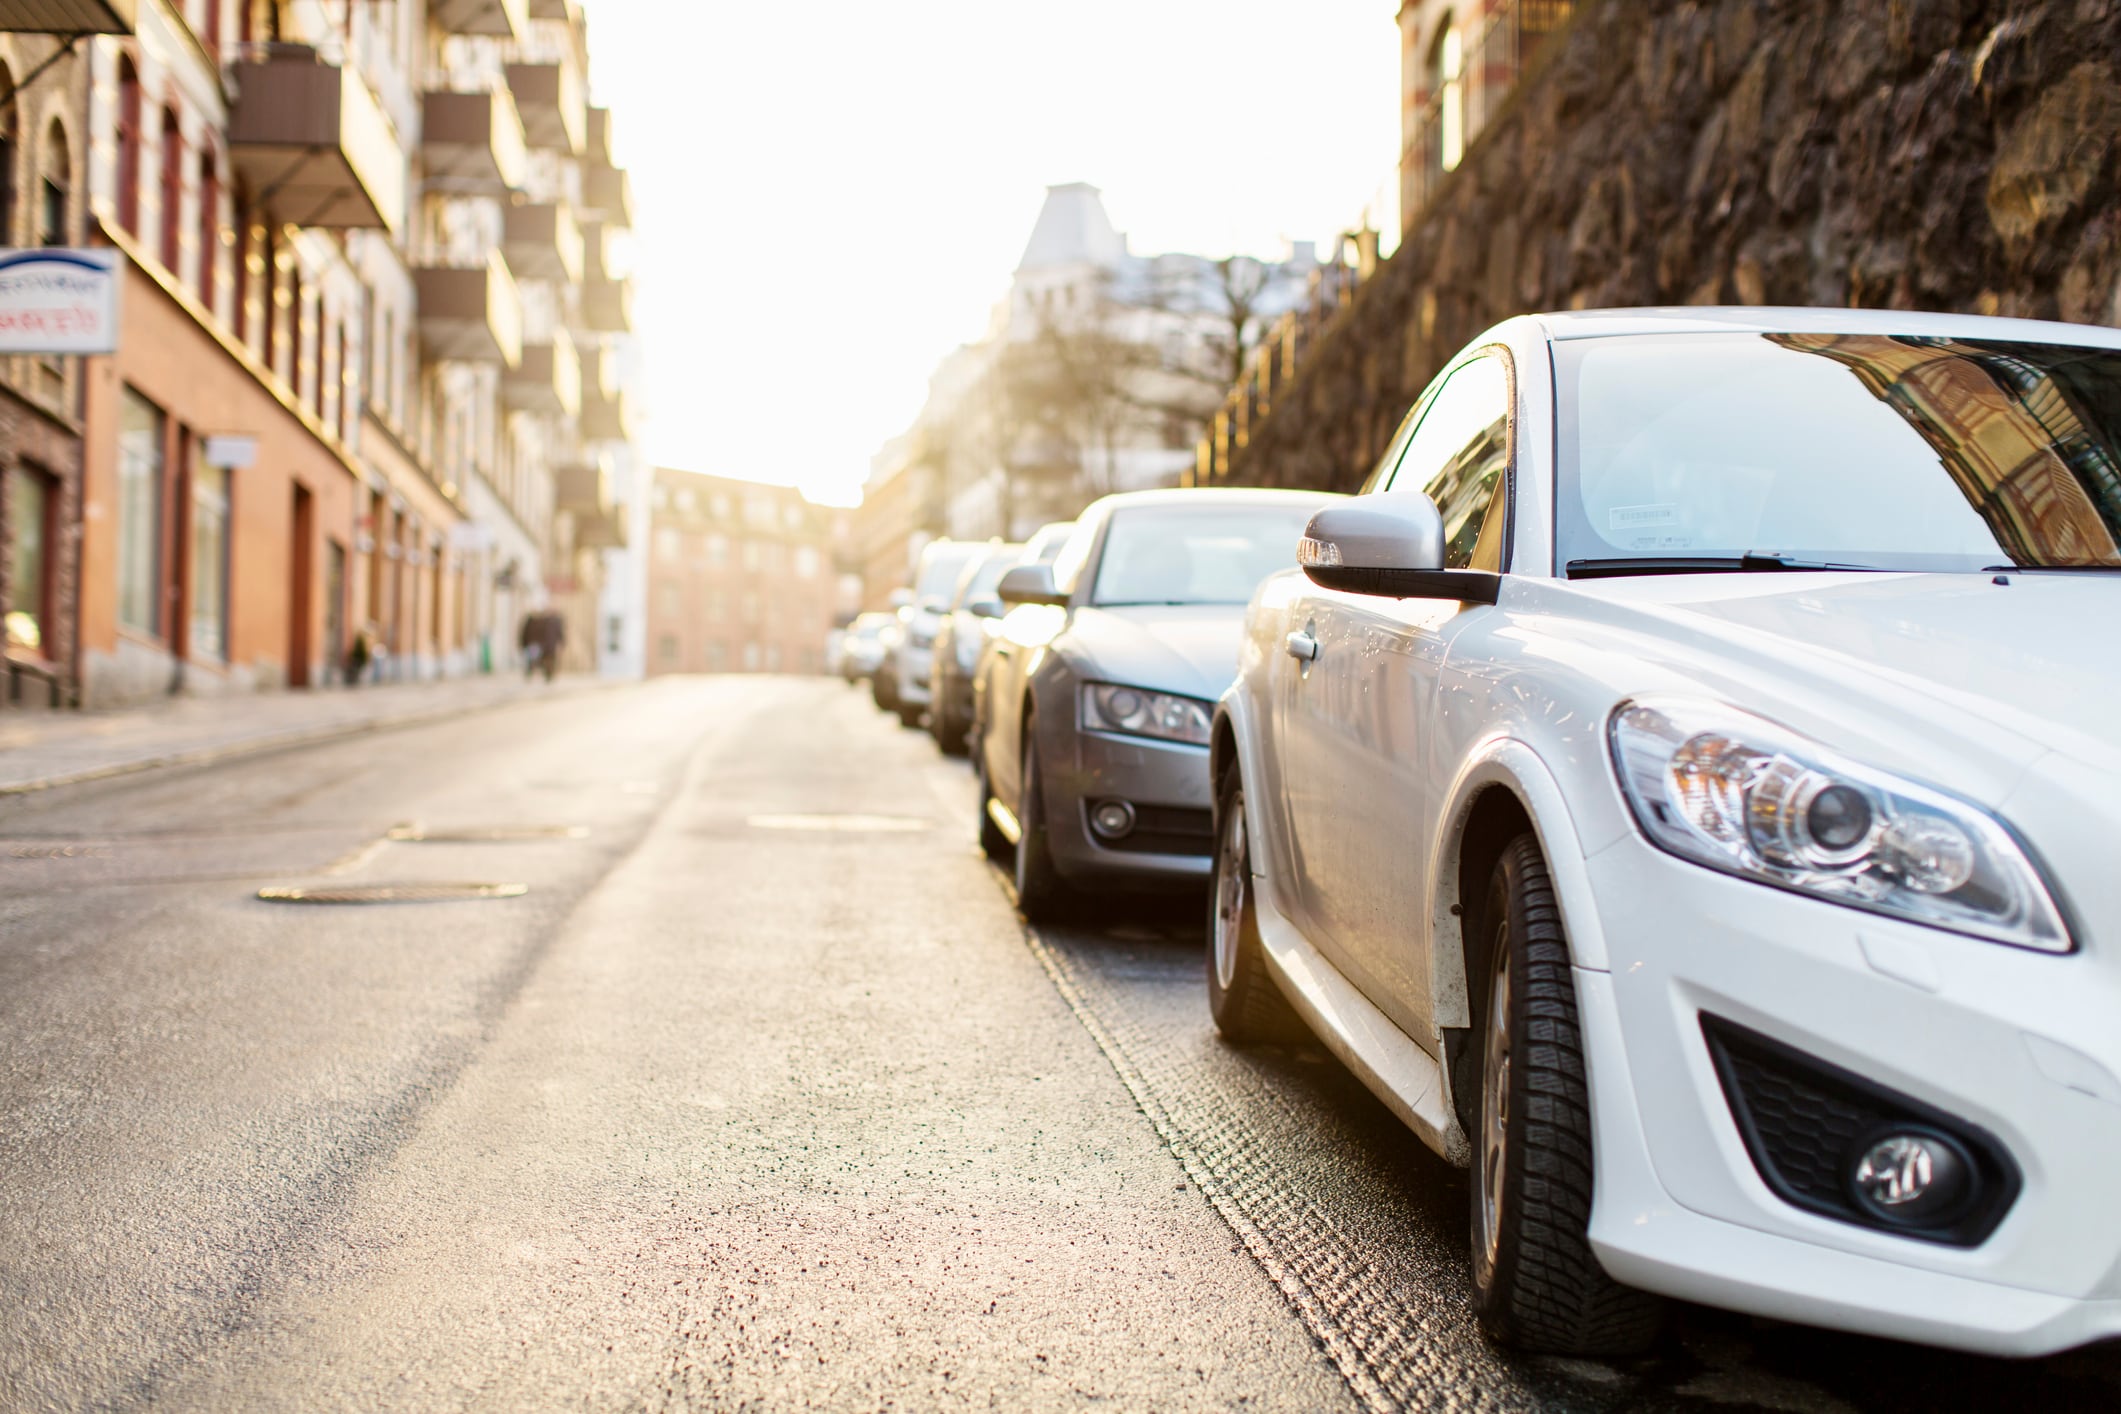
<point x="1095" y="704"/>
<point x="934" y="577"/>
<point x="975" y="612"/>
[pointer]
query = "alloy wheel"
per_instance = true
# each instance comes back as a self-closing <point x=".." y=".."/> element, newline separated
<point x="1495" y="1101"/>
<point x="1232" y="892"/>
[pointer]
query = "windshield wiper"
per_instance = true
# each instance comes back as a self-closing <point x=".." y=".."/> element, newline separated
<point x="1748" y="563"/>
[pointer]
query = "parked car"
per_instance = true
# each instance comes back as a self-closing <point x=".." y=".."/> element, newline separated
<point x="1684" y="788"/>
<point x="975" y="611"/>
<point x="934" y="577"/>
<point x="1094" y="730"/>
<point x="863" y="647"/>
<point x="890" y="637"/>
<point x="957" y="643"/>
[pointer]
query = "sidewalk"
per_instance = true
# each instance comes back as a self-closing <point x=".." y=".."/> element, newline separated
<point x="40" y="750"/>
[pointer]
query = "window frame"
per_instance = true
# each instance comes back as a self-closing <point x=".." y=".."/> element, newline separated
<point x="1385" y="477"/>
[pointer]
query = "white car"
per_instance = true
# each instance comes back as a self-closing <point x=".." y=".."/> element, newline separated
<point x="1686" y="788"/>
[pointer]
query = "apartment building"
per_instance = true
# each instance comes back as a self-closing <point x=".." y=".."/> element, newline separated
<point x="367" y="384"/>
<point x="742" y="577"/>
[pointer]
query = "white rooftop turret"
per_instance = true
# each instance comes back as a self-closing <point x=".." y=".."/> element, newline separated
<point x="1073" y="229"/>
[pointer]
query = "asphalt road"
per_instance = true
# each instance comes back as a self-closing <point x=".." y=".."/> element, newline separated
<point x="760" y="1096"/>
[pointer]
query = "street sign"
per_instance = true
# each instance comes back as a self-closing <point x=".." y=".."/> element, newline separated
<point x="232" y="450"/>
<point x="59" y="301"/>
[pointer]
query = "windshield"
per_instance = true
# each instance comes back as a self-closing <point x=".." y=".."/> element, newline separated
<point x="1862" y="450"/>
<point x="1174" y="554"/>
<point x="980" y="582"/>
<point x="940" y="567"/>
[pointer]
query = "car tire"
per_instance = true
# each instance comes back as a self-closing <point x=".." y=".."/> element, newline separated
<point x="1041" y="895"/>
<point x="909" y="714"/>
<point x="1246" y="1002"/>
<point x="951" y="737"/>
<point x="992" y="842"/>
<point x="1536" y="1283"/>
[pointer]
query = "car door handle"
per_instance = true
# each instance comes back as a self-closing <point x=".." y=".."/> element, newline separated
<point x="1301" y="645"/>
<point x="1002" y="650"/>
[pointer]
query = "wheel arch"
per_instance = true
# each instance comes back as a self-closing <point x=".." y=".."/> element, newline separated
<point x="1503" y="790"/>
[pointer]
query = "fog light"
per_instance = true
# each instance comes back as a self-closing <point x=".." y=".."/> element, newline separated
<point x="1112" y="818"/>
<point x="1912" y="1178"/>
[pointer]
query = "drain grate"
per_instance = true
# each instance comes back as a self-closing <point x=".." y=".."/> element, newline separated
<point x="392" y="893"/>
<point x="488" y="834"/>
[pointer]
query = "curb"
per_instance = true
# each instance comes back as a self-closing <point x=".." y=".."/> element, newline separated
<point x="257" y="746"/>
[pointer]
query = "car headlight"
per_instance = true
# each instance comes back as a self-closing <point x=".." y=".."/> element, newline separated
<point x="1138" y="712"/>
<point x="1725" y="789"/>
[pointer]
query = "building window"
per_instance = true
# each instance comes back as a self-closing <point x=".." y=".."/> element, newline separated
<point x="717" y="657"/>
<point x="718" y="550"/>
<point x="140" y="514"/>
<point x="172" y="191"/>
<point x="31" y="501"/>
<point x="209" y="228"/>
<point x="9" y="146"/>
<point x="669" y="545"/>
<point x="208" y="626"/>
<point x="128" y="147"/>
<point x="56" y="189"/>
<point x="751" y="657"/>
<point x="773" y="657"/>
<point x="806" y="562"/>
<point x="666" y="648"/>
<point x="1447" y="76"/>
<point x="750" y="554"/>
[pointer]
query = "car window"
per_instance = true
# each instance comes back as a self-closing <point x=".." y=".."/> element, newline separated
<point x="1459" y="454"/>
<point x="940" y="567"/>
<point x="979" y="579"/>
<point x="1074" y="552"/>
<point x="1188" y="553"/>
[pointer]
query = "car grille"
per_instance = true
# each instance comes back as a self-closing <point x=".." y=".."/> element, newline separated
<point x="1167" y="829"/>
<point x="1804" y="1120"/>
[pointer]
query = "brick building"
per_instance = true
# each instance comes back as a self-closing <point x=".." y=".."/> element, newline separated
<point x="741" y="577"/>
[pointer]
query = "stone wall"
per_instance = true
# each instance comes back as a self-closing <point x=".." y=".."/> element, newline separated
<point x="1918" y="154"/>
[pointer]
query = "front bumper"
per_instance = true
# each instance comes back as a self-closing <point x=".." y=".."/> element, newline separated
<point x="914" y="665"/>
<point x="1166" y="782"/>
<point x="2021" y="1045"/>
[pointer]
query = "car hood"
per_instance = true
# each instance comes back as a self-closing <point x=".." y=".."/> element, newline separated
<point x="2018" y="669"/>
<point x="1188" y="649"/>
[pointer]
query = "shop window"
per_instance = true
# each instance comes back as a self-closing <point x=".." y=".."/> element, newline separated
<point x="32" y="504"/>
<point x="140" y="443"/>
<point x="208" y="597"/>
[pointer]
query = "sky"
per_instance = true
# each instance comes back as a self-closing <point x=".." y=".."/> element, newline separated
<point x="829" y="196"/>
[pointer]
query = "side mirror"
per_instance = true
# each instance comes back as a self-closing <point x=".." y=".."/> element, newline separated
<point x="986" y="606"/>
<point x="1029" y="584"/>
<point x="1390" y="545"/>
<point x="901" y="598"/>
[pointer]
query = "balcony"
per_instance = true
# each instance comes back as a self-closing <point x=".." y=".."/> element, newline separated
<point x="473" y="142"/>
<point x="470" y="314"/>
<point x="543" y="242"/>
<point x="68" y="17"/>
<point x="597" y="146"/>
<point x="549" y="96"/>
<point x="583" y="487"/>
<point x="607" y="306"/>
<point x="309" y="138"/>
<point x="503" y="19"/>
<point x="548" y="379"/>
<point x="607" y="416"/>
<point x="596" y="251"/>
<point x="608" y="191"/>
<point x="567" y="10"/>
<point x="601" y="532"/>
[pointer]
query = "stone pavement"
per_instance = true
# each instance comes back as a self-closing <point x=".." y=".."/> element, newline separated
<point x="39" y="750"/>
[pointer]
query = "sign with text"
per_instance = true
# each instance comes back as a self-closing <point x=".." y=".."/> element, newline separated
<point x="59" y="301"/>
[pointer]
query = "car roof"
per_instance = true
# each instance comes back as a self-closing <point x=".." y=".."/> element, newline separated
<point x="1687" y="319"/>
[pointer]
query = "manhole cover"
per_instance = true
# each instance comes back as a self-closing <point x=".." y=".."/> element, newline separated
<point x="392" y="893"/>
<point x="870" y="823"/>
<point x="415" y="834"/>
